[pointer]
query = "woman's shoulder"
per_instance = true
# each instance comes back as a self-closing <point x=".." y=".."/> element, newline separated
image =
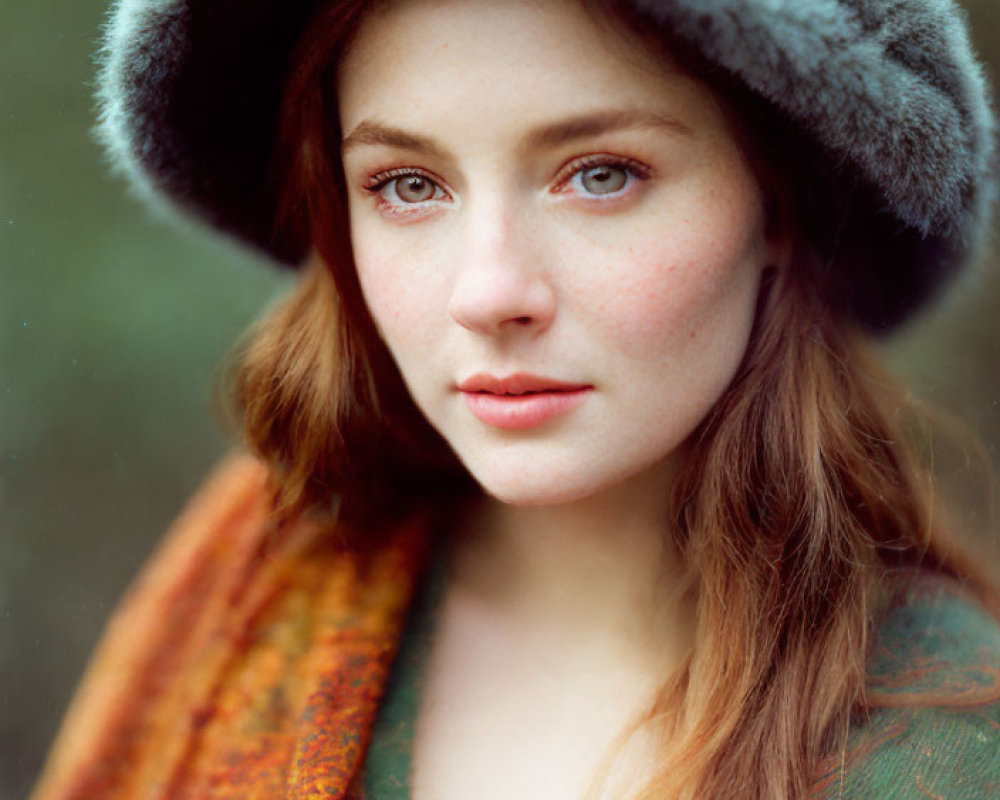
<point x="932" y="727"/>
<point x="935" y="645"/>
<point x="244" y="629"/>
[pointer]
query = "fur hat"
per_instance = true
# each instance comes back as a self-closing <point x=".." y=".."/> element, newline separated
<point x="888" y="91"/>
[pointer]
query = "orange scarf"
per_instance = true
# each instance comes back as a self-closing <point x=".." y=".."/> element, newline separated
<point x="247" y="660"/>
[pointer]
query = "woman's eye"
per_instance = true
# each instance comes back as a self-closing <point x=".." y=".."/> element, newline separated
<point x="413" y="189"/>
<point x="401" y="189"/>
<point x="601" y="177"/>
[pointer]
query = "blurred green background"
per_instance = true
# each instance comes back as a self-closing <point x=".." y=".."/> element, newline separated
<point x="112" y="324"/>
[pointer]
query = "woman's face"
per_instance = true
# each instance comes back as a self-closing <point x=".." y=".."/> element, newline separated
<point x="539" y="206"/>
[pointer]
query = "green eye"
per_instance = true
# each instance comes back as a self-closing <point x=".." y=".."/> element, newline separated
<point x="604" y="179"/>
<point x="413" y="188"/>
<point x="601" y="177"/>
<point x="404" y="188"/>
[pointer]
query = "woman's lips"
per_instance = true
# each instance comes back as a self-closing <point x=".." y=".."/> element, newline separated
<point x="520" y="401"/>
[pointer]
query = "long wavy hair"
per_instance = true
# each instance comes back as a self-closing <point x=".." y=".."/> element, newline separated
<point x="801" y="497"/>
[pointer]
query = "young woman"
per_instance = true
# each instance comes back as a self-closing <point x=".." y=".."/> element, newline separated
<point x="581" y="339"/>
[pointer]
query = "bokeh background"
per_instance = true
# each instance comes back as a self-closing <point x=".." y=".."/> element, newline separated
<point x="112" y="324"/>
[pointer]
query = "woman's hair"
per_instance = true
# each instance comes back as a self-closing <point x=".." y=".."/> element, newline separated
<point x="801" y="495"/>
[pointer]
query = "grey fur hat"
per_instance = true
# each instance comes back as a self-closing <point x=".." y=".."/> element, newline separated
<point x="887" y="91"/>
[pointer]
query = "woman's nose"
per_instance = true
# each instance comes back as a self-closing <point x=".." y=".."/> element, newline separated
<point x="501" y="283"/>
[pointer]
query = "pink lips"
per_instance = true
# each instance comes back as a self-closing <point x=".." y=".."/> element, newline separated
<point x="520" y="401"/>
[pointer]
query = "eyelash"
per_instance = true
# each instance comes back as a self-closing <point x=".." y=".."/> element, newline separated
<point x="635" y="172"/>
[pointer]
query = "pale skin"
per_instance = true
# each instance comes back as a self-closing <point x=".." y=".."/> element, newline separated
<point x="486" y="242"/>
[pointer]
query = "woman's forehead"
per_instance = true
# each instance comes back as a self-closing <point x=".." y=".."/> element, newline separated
<point x="506" y="64"/>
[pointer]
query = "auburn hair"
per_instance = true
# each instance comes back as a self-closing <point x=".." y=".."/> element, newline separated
<point x="801" y="497"/>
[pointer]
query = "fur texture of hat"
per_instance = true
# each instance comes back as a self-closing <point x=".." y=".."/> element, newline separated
<point x="889" y="91"/>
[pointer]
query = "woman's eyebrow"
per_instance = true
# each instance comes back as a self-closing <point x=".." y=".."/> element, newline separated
<point x="596" y="123"/>
<point x="375" y="133"/>
<point x="369" y="132"/>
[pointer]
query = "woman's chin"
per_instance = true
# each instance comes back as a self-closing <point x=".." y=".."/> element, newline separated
<point x="527" y="488"/>
<point x="527" y="491"/>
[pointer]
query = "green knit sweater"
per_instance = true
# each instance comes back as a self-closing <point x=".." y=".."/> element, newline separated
<point x="933" y="730"/>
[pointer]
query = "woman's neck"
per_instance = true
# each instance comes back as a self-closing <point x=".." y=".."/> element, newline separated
<point x="599" y="574"/>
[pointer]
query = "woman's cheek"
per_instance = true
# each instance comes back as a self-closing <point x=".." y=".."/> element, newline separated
<point x="659" y="298"/>
<point x="403" y="275"/>
<point x="389" y="295"/>
<point x="694" y="279"/>
<point x="642" y="308"/>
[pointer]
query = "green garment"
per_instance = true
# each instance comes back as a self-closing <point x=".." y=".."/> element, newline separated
<point x="933" y="673"/>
